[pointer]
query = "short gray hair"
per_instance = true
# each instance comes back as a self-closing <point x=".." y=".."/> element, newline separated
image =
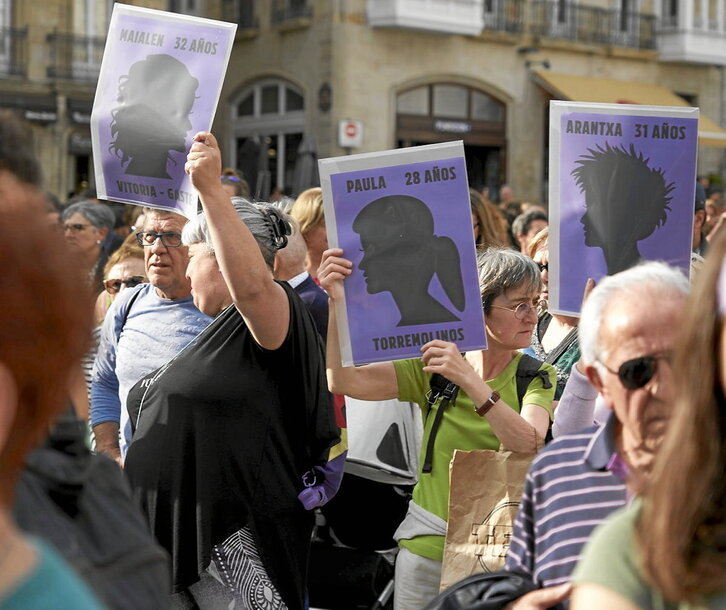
<point x="501" y="269"/>
<point x="647" y="275"/>
<point x="254" y="215"/>
<point x="520" y="225"/>
<point x="98" y="214"/>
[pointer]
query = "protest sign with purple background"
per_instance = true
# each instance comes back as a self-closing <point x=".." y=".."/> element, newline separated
<point x="403" y="218"/>
<point x="159" y="84"/>
<point x="621" y="191"/>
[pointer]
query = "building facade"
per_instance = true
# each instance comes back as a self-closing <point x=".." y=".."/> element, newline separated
<point x="400" y="72"/>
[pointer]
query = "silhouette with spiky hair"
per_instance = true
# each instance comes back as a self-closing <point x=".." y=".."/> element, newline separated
<point x="625" y="199"/>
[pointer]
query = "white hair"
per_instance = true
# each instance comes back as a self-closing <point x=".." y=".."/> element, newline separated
<point x="645" y="275"/>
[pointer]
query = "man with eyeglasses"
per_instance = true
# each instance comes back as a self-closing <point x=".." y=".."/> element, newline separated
<point x="627" y="331"/>
<point x="146" y="326"/>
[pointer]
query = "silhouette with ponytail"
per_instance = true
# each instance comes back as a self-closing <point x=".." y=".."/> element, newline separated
<point x="155" y="100"/>
<point x="402" y="255"/>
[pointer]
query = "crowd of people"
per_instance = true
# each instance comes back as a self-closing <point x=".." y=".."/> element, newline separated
<point x="214" y="380"/>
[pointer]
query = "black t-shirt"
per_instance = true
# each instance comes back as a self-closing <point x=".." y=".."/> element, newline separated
<point x="223" y="434"/>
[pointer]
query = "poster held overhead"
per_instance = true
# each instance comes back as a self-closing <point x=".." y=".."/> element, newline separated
<point x="159" y="84"/>
<point x="403" y="218"/>
<point x="622" y="180"/>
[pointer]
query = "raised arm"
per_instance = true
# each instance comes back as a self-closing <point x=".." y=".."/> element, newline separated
<point x="261" y="302"/>
<point x="371" y="382"/>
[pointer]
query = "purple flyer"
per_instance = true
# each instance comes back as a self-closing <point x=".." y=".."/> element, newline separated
<point x="403" y="218"/>
<point x="621" y="192"/>
<point x="159" y="84"/>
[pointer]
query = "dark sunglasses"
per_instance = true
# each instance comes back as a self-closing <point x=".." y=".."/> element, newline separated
<point x="636" y="373"/>
<point x="543" y="267"/>
<point x="113" y="286"/>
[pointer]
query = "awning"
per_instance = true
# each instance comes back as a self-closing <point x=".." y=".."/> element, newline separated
<point x="607" y="90"/>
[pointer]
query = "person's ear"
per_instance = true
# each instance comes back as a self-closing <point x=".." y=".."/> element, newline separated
<point x="102" y="233"/>
<point x="594" y="376"/>
<point x="8" y="404"/>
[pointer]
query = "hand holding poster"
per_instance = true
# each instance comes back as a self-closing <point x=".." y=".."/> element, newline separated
<point x="622" y="182"/>
<point x="403" y="218"/>
<point x="159" y="84"/>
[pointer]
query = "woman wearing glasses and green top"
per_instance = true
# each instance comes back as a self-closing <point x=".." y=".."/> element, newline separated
<point x="485" y="414"/>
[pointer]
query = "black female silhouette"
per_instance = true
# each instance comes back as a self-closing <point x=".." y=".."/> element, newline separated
<point x="152" y="119"/>
<point x="402" y="254"/>
<point x="626" y="201"/>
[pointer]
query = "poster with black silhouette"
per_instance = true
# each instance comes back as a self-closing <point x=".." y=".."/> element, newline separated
<point x="621" y="191"/>
<point x="404" y="220"/>
<point x="159" y="84"/>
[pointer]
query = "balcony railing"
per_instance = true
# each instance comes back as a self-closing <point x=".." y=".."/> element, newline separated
<point x="285" y="10"/>
<point x="504" y="15"/>
<point x="75" y="57"/>
<point x="241" y="12"/>
<point x="13" y="51"/>
<point x="587" y="24"/>
<point x="570" y="21"/>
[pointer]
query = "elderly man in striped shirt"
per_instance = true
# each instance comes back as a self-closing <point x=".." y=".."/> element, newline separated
<point x="627" y="331"/>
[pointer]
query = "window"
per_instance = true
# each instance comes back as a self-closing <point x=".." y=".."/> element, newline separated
<point x="450" y="101"/>
<point x="269" y="124"/>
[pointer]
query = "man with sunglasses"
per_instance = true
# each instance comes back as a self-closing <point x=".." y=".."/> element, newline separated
<point x="144" y="328"/>
<point x="627" y="331"/>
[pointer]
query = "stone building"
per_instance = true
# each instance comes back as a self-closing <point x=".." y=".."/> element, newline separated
<point x="319" y="78"/>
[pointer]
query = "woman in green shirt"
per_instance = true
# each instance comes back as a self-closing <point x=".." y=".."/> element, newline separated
<point x="486" y="412"/>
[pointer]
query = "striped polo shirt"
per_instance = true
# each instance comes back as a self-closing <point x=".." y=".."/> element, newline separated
<point x="568" y="492"/>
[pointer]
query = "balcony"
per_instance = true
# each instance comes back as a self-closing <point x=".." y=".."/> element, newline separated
<point x="439" y="16"/>
<point x="241" y="12"/>
<point x="13" y="51"/>
<point x="570" y="21"/>
<point x="290" y="10"/>
<point x="695" y="32"/>
<point x="592" y="25"/>
<point x="75" y="57"/>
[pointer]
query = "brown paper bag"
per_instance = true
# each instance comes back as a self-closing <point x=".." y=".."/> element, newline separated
<point x="484" y="494"/>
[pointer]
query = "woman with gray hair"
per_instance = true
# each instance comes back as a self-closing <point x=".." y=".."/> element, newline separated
<point x="86" y="225"/>
<point x="485" y="414"/>
<point x="227" y="431"/>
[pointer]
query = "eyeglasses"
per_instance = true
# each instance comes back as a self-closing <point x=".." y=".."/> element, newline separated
<point x="148" y="238"/>
<point x="543" y="267"/>
<point x="76" y="228"/>
<point x="521" y="311"/>
<point x="113" y="286"/>
<point x="636" y="373"/>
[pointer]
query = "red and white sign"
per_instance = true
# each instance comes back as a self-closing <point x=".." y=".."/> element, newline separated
<point x="350" y="134"/>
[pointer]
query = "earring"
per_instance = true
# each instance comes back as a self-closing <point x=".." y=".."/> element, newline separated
<point x="98" y="241"/>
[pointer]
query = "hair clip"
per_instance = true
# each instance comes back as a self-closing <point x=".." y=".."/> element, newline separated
<point x="280" y="227"/>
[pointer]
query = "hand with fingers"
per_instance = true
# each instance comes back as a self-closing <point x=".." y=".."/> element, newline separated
<point x="444" y="358"/>
<point x="204" y="162"/>
<point x="332" y="271"/>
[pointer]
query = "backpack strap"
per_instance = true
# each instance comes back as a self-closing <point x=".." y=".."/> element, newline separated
<point x="527" y="369"/>
<point x="129" y="305"/>
<point x="440" y="387"/>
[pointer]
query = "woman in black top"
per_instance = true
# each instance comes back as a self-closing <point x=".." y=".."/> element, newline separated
<point x="225" y="430"/>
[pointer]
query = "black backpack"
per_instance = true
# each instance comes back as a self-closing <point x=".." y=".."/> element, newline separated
<point x="527" y="369"/>
<point x="80" y="503"/>
<point x="485" y="591"/>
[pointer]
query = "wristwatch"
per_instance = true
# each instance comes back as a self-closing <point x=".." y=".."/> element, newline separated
<point x="488" y="404"/>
